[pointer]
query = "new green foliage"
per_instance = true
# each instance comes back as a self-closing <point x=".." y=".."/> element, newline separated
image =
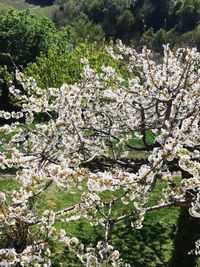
<point x="23" y="35"/>
<point x="64" y="66"/>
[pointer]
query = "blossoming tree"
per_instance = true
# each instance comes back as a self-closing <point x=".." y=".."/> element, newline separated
<point x="86" y="142"/>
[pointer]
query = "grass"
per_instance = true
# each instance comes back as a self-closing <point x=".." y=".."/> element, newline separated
<point x="151" y="246"/>
<point x="22" y="5"/>
<point x="18" y="4"/>
<point x="8" y="184"/>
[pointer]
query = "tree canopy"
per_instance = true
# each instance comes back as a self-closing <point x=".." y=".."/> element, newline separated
<point x="24" y="36"/>
<point x="86" y="142"/>
<point x="129" y="20"/>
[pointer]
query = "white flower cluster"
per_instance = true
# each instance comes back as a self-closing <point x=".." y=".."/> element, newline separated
<point x="36" y="255"/>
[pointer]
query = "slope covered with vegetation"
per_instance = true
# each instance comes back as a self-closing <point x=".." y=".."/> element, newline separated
<point x="140" y="22"/>
<point x="36" y="8"/>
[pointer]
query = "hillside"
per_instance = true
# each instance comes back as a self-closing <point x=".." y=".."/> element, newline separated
<point x="21" y="5"/>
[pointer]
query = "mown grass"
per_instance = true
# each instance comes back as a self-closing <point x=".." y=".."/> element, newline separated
<point x="22" y="5"/>
<point x="151" y="246"/>
<point x="8" y="184"/>
<point x="18" y="4"/>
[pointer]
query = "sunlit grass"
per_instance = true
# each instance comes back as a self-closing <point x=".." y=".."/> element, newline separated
<point x="151" y="246"/>
<point x="22" y="5"/>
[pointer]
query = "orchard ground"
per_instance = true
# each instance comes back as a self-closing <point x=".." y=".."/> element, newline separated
<point x="150" y="246"/>
<point x="21" y="5"/>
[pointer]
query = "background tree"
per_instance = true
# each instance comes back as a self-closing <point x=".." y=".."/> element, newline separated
<point x="83" y="30"/>
<point x="58" y="67"/>
<point x="41" y="2"/>
<point x="189" y="15"/>
<point x="23" y="37"/>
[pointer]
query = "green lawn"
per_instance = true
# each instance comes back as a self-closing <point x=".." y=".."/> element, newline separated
<point x="21" y="5"/>
<point x="151" y="246"/>
<point x="18" y="4"/>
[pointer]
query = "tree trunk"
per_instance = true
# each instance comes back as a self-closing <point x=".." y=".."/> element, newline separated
<point x="187" y="234"/>
<point x="5" y="94"/>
